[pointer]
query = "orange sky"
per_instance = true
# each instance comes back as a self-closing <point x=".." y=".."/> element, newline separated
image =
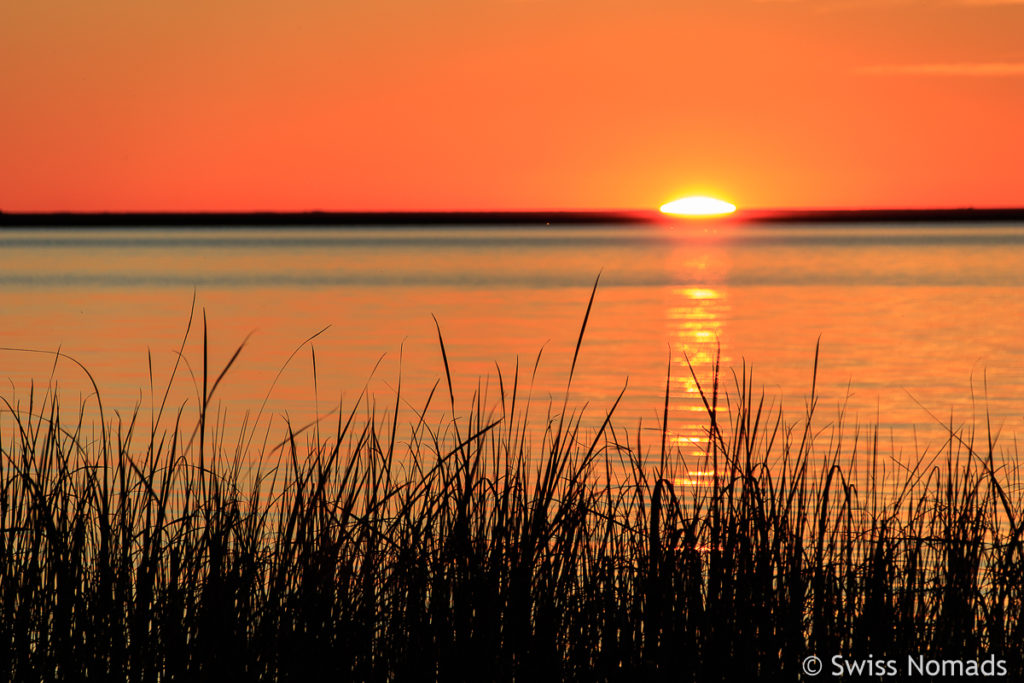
<point x="509" y="104"/>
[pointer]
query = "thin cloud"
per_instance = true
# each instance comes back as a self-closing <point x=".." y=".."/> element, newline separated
<point x="857" y="4"/>
<point x="968" y="69"/>
<point x="989" y="3"/>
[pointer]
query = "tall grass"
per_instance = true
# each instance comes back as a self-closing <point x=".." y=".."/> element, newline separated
<point x="392" y="547"/>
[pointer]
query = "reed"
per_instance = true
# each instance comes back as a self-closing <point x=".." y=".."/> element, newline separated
<point x="467" y="548"/>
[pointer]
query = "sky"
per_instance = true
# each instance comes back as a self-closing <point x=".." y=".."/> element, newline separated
<point x="418" y="105"/>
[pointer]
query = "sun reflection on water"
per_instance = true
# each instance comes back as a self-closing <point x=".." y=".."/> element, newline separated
<point x="696" y="478"/>
<point x="695" y="327"/>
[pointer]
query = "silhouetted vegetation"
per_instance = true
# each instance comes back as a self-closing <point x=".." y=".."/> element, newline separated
<point x="493" y="546"/>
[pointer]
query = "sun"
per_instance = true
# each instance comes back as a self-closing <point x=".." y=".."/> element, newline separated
<point x="698" y="206"/>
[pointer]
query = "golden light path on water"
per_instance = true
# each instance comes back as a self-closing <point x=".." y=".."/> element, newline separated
<point x="695" y="328"/>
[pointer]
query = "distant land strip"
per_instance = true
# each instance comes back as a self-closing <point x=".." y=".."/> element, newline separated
<point x="468" y="218"/>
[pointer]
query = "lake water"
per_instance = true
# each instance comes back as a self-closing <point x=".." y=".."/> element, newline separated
<point x="919" y="325"/>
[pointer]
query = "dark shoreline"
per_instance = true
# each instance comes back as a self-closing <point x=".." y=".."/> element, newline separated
<point x="477" y="218"/>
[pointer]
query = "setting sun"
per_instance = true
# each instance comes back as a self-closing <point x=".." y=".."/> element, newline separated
<point x="698" y="206"/>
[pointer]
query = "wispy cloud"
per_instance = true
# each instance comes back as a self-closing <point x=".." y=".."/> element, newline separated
<point x="856" y="4"/>
<point x="971" y="69"/>
<point x="988" y="3"/>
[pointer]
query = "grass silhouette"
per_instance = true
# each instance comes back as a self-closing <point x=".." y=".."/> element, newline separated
<point x="396" y="548"/>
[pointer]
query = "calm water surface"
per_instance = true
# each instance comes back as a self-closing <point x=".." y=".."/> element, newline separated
<point x="918" y="325"/>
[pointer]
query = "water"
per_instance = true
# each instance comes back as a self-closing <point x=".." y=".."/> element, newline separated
<point x="919" y="325"/>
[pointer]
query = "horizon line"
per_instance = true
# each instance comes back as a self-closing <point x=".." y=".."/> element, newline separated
<point x="557" y="216"/>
